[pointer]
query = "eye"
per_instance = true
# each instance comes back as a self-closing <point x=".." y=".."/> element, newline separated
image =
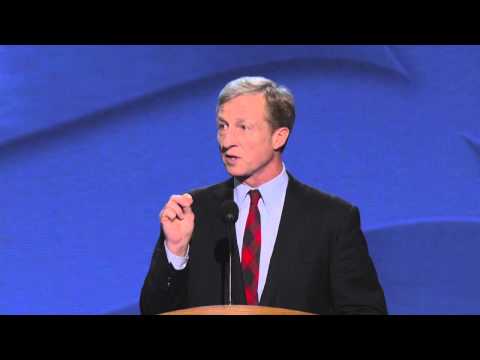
<point x="220" y="126"/>
<point x="243" y="127"/>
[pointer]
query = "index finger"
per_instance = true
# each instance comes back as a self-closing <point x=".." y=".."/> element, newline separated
<point x="186" y="200"/>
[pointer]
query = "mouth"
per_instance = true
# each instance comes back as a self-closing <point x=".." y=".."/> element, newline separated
<point x="230" y="159"/>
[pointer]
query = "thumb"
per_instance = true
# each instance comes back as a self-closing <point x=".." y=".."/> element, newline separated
<point x="188" y="209"/>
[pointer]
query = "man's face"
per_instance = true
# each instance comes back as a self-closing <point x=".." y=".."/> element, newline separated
<point x="244" y="135"/>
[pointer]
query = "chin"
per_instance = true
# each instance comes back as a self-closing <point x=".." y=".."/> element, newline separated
<point x="235" y="172"/>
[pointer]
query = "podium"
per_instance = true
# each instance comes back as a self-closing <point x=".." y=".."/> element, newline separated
<point x="236" y="310"/>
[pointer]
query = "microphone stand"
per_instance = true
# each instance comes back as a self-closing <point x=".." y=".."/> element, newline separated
<point x="230" y="217"/>
<point x="230" y="225"/>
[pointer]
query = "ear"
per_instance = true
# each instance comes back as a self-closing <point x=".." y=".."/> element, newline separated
<point x="280" y="137"/>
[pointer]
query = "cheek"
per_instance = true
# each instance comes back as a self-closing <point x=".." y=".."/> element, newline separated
<point x="265" y="144"/>
<point x="257" y="150"/>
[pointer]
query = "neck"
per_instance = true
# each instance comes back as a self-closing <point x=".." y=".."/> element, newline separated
<point x="268" y="172"/>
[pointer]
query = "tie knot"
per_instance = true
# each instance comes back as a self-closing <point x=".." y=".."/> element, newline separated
<point x="254" y="197"/>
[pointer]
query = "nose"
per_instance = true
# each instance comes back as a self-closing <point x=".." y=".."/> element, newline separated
<point x="226" y="139"/>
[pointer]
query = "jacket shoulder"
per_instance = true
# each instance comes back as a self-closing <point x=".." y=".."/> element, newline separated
<point x="318" y="200"/>
<point x="328" y="209"/>
<point x="213" y="192"/>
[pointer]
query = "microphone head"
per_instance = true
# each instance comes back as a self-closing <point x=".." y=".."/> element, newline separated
<point x="229" y="211"/>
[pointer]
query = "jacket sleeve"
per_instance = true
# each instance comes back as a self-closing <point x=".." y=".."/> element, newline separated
<point x="353" y="278"/>
<point x="164" y="288"/>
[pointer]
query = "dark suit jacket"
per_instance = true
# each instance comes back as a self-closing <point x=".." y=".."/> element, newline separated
<point x="320" y="262"/>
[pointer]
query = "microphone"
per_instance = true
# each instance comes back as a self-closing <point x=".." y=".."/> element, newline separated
<point x="229" y="216"/>
<point x="230" y="211"/>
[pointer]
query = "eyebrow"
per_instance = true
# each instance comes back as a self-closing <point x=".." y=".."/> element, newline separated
<point x="239" y="120"/>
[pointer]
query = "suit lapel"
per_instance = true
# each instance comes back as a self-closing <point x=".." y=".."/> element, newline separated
<point x="225" y="192"/>
<point x="286" y="244"/>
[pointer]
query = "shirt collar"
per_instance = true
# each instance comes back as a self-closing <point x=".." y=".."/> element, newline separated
<point x="269" y="190"/>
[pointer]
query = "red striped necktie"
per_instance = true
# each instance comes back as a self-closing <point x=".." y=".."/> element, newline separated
<point x="252" y="240"/>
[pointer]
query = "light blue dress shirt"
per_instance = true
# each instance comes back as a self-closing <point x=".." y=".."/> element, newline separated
<point x="270" y="207"/>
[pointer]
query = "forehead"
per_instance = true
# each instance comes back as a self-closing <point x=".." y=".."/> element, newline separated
<point x="248" y="106"/>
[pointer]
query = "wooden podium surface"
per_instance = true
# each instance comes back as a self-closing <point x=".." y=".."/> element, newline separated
<point x="235" y="310"/>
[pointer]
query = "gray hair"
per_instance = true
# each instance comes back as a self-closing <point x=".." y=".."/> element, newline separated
<point x="280" y="102"/>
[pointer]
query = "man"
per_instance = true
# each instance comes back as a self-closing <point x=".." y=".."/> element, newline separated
<point x="295" y="247"/>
